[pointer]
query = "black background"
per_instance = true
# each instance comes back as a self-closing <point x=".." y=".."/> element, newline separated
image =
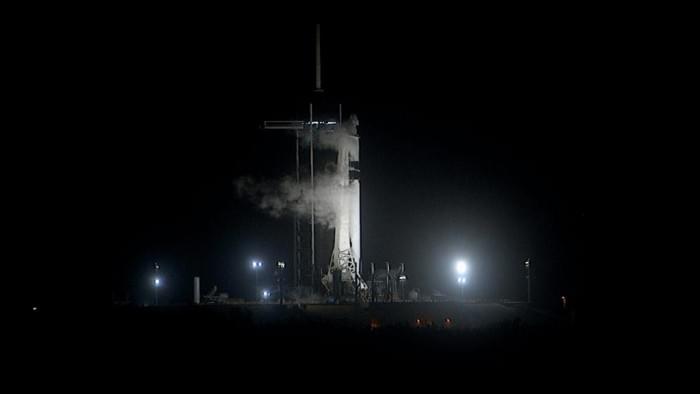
<point x="476" y="144"/>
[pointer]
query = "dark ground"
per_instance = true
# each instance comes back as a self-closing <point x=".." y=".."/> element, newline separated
<point x="222" y="339"/>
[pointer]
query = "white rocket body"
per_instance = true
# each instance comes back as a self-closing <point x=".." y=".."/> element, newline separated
<point x="346" y="255"/>
<point x="347" y="233"/>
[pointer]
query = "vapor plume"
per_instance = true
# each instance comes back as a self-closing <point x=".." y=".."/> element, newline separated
<point x="287" y="197"/>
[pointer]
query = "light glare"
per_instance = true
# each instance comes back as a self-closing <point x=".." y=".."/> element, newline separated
<point x="461" y="267"/>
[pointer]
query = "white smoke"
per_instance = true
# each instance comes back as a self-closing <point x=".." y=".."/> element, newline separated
<point x="287" y="197"/>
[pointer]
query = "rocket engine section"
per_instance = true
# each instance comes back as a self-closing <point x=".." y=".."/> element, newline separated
<point x="344" y="269"/>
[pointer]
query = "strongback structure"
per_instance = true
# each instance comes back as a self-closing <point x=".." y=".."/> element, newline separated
<point x="341" y="278"/>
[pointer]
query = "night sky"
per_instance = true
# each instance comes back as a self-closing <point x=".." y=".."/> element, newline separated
<point x="473" y="145"/>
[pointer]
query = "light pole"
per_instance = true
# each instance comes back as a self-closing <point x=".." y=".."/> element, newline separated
<point x="402" y="281"/>
<point x="372" y="289"/>
<point x="462" y="268"/>
<point x="256" y="266"/>
<point x="527" y="275"/>
<point x="462" y="280"/>
<point x="156" y="282"/>
<point x="280" y="277"/>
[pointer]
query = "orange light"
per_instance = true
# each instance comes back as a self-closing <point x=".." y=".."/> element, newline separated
<point x="448" y="322"/>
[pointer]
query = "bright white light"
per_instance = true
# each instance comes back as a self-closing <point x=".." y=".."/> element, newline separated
<point x="461" y="267"/>
<point x="266" y="293"/>
<point x="35" y="308"/>
<point x="257" y="264"/>
<point x="462" y="280"/>
<point x="402" y="277"/>
<point x="156" y="282"/>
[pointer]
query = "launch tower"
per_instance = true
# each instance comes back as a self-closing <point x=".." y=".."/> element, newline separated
<point x="341" y="278"/>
